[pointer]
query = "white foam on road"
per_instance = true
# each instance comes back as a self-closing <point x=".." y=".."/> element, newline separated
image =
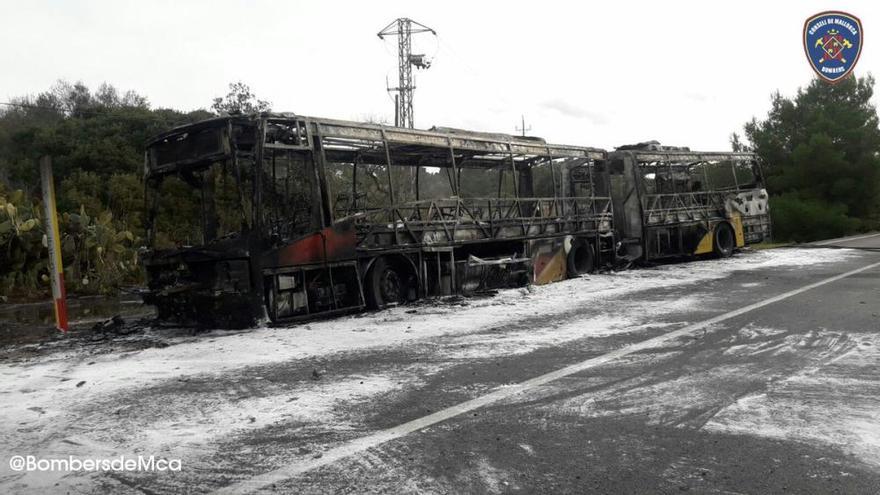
<point x="41" y="399"/>
<point x="224" y="352"/>
<point x="378" y="438"/>
<point x="189" y="425"/>
<point x="314" y="403"/>
<point x="39" y="385"/>
<point x="837" y="403"/>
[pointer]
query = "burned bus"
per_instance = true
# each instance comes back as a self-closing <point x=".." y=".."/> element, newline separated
<point x="672" y="202"/>
<point x="289" y="217"/>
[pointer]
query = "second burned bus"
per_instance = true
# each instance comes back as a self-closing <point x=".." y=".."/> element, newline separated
<point x="671" y="201"/>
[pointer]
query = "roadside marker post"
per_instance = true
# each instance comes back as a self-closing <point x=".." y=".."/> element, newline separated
<point x="56" y="269"/>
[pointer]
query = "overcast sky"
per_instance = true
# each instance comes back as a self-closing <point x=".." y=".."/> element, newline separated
<point x="589" y="73"/>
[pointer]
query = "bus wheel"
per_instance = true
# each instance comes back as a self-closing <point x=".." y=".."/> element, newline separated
<point x="723" y="241"/>
<point x="580" y="259"/>
<point x="386" y="284"/>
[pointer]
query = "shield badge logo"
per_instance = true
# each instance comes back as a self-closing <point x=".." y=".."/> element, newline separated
<point x="833" y="43"/>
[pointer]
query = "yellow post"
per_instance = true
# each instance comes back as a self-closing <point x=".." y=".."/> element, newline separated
<point x="56" y="275"/>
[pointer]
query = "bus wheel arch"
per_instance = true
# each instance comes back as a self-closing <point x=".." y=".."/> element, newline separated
<point x="390" y="279"/>
<point x="723" y="240"/>
<point x="581" y="258"/>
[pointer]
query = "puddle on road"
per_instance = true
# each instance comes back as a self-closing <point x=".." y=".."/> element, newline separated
<point x="30" y="323"/>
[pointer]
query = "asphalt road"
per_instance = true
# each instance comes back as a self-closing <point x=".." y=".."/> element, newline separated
<point x="864" y="241"/>
<point x="757" y="374"/>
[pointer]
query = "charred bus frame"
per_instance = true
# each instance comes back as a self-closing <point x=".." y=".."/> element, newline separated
<point x="307" y="248"/>
<point x="671" y="201"/>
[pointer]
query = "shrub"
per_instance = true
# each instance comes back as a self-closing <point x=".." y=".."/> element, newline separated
<point x="98" y="255"/>
<point x="801" y="219"/>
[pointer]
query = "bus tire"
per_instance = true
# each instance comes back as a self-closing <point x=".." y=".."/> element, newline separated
<point x="580" y="259"/>
<point x="723" y="241"/>
<point x="387" y="283"/>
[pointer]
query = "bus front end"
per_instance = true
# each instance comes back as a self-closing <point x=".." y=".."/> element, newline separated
<point x="199" y="215"/>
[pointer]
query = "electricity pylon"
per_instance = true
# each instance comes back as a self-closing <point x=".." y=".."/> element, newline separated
<point x="404" y="28"/>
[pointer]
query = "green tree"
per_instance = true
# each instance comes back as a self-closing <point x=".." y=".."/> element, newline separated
<point x="820" y="152"/>
<point x="96" y="139"/>
<point x="102" y="132"/>
<point x="240" y="100"/>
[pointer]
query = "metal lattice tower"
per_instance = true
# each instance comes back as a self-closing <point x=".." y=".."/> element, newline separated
<point x="404" y="28"/>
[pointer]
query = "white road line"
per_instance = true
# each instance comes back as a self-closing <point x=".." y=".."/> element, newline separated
<point x="361" y="444"/>
<point x="844" y="239"/>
